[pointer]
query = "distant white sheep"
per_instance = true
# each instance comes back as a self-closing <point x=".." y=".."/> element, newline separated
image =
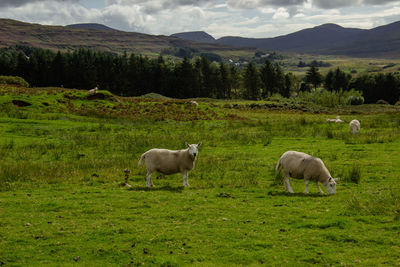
<point x="168" y="161"/>
<point x="93" y="91"/>
<point x="355" y="126"/>
<point x="300" y="165"/>
<point x="337" y="120"/>
<point x="194" y="103"/>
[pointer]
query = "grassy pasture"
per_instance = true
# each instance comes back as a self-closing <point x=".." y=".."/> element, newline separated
<point x="61" y="202"/>
<point x="355" y="66"/>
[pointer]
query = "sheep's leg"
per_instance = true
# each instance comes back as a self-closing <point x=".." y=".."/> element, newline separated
<point x="286" y="188"/>
<point x="306" y="189"/>
<point x="185" y="179"/>
<point x="287" y="185"/>
<point x="149" y="182"/>
<point x="319" y="188"/>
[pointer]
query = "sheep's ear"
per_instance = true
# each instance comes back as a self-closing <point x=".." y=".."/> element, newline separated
<point x="186" y="144"/>
<point x="199" y="144"/>
<point x="336" y="179"/>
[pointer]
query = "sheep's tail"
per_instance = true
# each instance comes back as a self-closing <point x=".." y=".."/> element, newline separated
<point x="141" y="158"/>
<point x="278" y="166"/>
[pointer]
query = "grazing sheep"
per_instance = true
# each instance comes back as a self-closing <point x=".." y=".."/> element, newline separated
<point x="194" y="103"/>
<point x="93" y="91"/>
<point x="337" y="120"/>
<point x="300" y="165"/>
<point x="168" y="161"/>
<point x="355" y="126"/>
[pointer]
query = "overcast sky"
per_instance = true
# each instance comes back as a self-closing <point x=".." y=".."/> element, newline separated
<point x="247" y="18"/>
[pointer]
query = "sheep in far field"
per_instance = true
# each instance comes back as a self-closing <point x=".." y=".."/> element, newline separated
<point x="337" y="120"/>
<point x="355" y="126"/>
<point x="194" y="103"/>
<point x="167" y="161"/>
<point x="300" y="165"/>
<point x="93" y="91"/>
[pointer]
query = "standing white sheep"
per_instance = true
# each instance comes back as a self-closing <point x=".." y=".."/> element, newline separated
<point x="168" y="161"/>
<point x="300" y="165"/>
<point x="355" y="126"/>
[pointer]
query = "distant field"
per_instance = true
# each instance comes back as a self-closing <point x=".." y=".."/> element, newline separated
<point x="354" y="66"/>
<point x="63" y="159"/>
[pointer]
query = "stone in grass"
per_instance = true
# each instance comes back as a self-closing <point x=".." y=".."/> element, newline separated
<point x="125" y="184"/>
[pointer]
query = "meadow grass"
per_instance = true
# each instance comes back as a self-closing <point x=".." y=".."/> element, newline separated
<point x="62" y="203"/>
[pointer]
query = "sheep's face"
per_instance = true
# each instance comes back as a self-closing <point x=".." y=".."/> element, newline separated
<point x="193" y="149"/>
<point x="331" y="186"/>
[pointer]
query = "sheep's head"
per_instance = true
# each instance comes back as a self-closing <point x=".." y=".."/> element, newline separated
<point x="331" y="186"/>
<point x="193" y="149"/>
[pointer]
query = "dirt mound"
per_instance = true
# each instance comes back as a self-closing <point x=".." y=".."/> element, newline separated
<point x="98" y="96"/>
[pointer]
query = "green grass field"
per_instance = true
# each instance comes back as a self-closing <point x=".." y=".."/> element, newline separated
<point x="62" y="161"/>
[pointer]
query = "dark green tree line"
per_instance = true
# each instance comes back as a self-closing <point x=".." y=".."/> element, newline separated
<point x="134" y="75"/>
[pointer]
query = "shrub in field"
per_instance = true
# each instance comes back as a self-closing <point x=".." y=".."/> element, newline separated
<point x="355" y="100"/>
<point x="327" y="98"/>
<point x="13" y="80"/>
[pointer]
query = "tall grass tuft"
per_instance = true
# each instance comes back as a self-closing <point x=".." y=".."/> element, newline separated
<point x="381" y="202"/>
<point x="354" y="174"/>
<point x="277" y="176"/>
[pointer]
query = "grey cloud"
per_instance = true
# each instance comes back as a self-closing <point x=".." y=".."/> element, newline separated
<point x="334" y="3"/>
<point x="155" y="6"/>
<point x="283" y="3"/>
<point x="379" y="2"/>
<point x="293" y="4"/>
<point x="165" y="3"/>
<point x="345" y="3"/>
<point x="18" y="3"/>
<point x="251" y="4"/>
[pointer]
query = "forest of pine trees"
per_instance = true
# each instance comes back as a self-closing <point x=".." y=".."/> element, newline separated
<point x="135" y="75"/>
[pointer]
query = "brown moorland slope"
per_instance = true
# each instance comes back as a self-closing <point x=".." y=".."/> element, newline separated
<point x="63" y="38"/>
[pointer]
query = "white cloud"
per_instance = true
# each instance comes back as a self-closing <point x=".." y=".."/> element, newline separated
<point x="281" y="13"/>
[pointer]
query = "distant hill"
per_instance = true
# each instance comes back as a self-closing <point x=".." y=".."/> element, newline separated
<point x="65" y="38"/>
<point x="383" y="41"/>
<point x="333" y="39"/>
<point x="91" y="26"/>
<point x="305" y="41"/>
<point x="329" y="39"/>
<point x="198" y="36"/>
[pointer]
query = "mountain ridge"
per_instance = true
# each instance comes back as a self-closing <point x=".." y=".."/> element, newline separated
<point x="197" y="36"/>
<point x="64" y="38"/>
<point x="329" y="38"/>
<point x="325" y="39"/>
<point x="91" y="26"/>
